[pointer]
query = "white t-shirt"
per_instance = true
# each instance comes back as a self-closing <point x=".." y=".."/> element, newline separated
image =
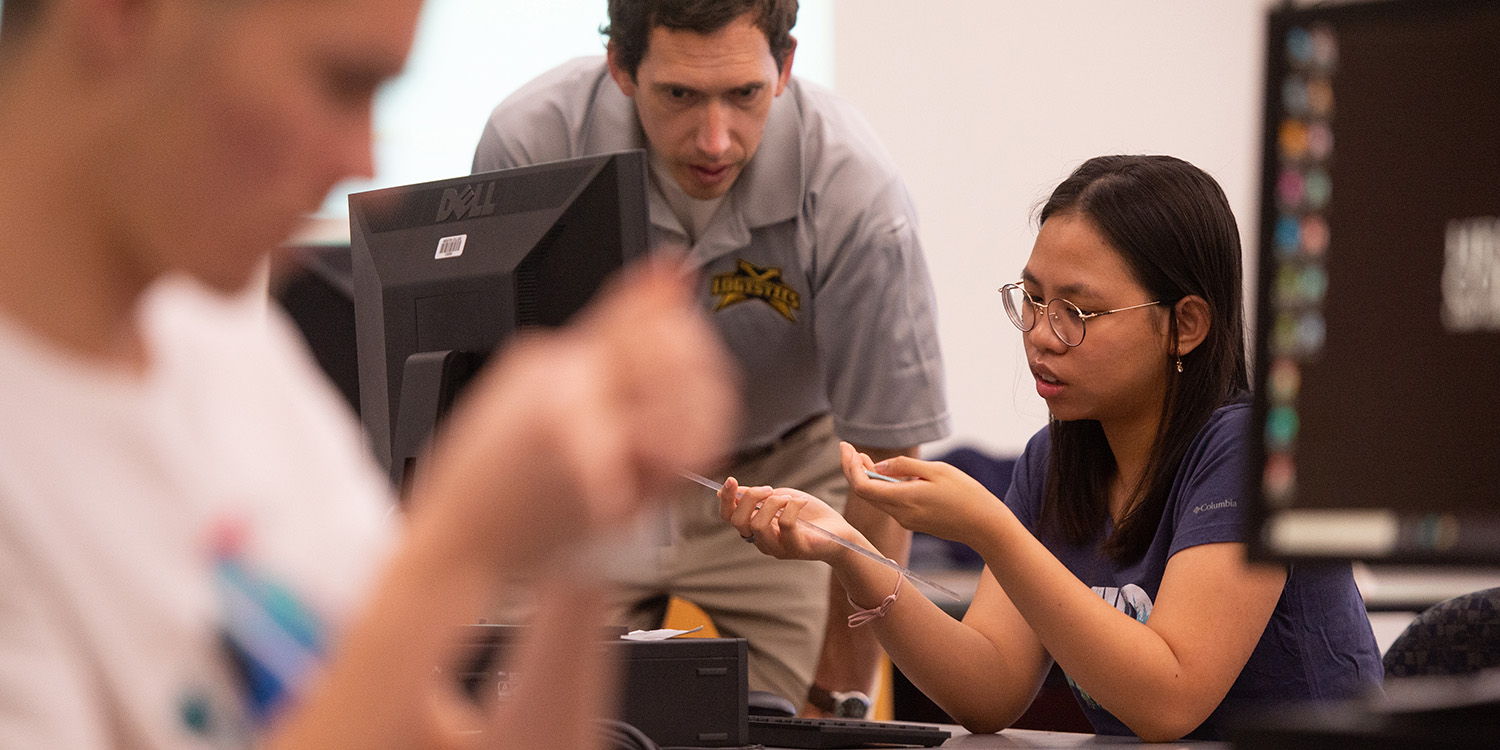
<point x="135" y="511"/>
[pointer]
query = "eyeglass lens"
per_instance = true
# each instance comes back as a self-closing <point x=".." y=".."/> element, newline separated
<point x="1066" y="319"/>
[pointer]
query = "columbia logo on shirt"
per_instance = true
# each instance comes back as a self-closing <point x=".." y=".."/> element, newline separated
<point x="1205" y="507"/>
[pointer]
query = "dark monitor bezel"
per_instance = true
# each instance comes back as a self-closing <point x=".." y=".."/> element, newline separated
<point x="534" y="214"/>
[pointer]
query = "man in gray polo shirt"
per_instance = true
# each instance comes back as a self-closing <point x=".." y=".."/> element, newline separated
<point x="806" y="240"/>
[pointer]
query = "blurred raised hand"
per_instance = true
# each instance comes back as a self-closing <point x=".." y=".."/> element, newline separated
<point x="571" y="430"/>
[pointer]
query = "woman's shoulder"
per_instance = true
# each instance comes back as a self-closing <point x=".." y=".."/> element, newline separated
<point x="1208" y="493"/>
<point x="1221" y="446"/>
<point x="1228" y="424"/>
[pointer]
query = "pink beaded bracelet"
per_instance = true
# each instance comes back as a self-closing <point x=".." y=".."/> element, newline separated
<point x="862" y="616"/>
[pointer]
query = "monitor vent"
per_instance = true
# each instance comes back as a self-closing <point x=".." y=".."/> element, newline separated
<point x="529" y="276"/>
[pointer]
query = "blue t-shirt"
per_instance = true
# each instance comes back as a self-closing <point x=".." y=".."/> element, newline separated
<point x="1318" y="644"/>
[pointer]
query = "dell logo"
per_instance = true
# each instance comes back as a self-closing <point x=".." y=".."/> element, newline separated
<point x="471" y="202"/>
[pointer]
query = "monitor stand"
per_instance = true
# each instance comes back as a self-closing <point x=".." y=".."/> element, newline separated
<point x="429" y="383"/>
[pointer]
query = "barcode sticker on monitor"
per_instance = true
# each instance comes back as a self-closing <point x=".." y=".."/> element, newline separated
<point x="451" y="247"/>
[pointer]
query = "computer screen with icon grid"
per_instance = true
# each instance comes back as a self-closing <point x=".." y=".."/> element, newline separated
<point x="1377" y="352"/>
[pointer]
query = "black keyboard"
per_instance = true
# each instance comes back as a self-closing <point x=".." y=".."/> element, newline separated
<point x="793" y="732"/>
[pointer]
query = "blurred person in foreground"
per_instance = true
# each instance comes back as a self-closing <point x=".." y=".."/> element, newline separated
<point x="196" y="549"/>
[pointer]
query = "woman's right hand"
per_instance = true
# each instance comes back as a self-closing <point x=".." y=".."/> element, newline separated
<point x="768" y="516"/>
<point x="930" y="497"/>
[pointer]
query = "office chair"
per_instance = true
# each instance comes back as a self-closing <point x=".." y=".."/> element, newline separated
<point x="1453" y="637"/>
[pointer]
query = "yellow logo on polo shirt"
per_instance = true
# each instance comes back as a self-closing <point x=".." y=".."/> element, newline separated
<point x="750" y="281"/>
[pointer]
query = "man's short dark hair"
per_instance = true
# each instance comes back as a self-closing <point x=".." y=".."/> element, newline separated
<point x="631" y="22"/>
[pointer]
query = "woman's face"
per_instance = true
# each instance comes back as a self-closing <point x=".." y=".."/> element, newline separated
<point x="1118" y="373"/>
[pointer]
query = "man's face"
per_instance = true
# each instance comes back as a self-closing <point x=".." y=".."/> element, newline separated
<point x="703" y="101"/>
<point x="252" y="112"/>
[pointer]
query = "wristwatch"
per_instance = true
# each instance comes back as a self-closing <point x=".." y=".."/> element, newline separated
<point x="844" y="705"/>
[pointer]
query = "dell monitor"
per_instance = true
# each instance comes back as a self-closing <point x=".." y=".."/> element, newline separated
<point x="1377" y="344"/>
<point x="445" y="272"/>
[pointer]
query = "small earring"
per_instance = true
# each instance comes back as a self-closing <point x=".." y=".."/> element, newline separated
<point x="1179" y="364"/>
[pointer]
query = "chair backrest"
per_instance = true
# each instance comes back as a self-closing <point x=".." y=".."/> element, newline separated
<point x="1457" y="636"/>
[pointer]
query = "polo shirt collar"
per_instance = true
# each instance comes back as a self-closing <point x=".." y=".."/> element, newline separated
<point x="770" y="189"/>
<point x="615" y="126"/>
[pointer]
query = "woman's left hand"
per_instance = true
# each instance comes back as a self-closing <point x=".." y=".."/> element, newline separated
<point x="932" y="497"/>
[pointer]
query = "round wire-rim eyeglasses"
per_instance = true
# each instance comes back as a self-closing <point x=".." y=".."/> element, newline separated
<point x="1067" y="319"/>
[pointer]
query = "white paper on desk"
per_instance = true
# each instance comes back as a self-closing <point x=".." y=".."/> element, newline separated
<point x="657" y="635"/>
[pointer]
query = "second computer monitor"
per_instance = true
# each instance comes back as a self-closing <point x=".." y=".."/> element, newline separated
<point x="445" y="272"/>
<point x="1378" y="334"/>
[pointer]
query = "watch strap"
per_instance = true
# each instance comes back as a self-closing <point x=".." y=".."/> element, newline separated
<point x="819" y="698"/>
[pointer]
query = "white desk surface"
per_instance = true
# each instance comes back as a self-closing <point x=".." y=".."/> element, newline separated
<point x="1030" y="738"/>
<point x="1416" y="588"/>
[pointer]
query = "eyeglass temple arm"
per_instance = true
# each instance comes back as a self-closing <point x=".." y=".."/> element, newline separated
<point x="1086" y="316"/>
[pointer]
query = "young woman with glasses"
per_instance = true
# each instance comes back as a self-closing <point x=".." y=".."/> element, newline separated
<point x="1118" y="551"/>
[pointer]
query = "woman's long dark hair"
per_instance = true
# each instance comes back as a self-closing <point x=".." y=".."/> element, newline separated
<point x="1172" y="225"/>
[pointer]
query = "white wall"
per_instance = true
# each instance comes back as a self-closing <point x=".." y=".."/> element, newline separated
<point x="987" y="104"/>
